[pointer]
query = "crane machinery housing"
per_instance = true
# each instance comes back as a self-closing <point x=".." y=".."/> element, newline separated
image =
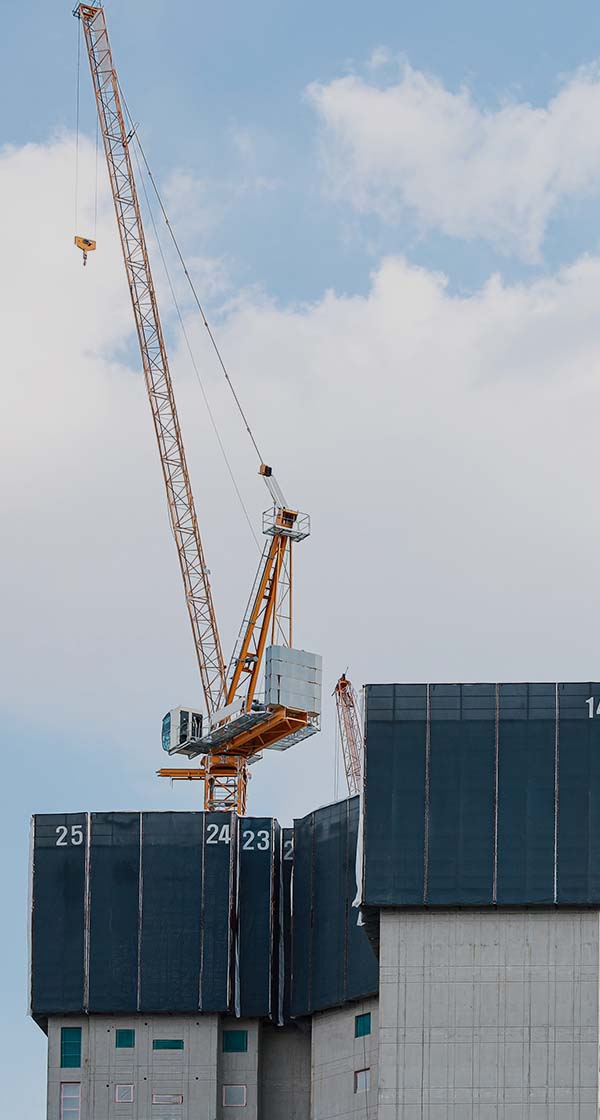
<point x="239" y="723"/>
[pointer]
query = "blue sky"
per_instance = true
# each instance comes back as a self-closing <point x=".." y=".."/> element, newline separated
<point x="405" y="281"/>
<point x="225" y="70"/>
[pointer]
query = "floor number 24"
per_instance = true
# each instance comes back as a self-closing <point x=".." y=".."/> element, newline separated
<point x="251" y="841"/>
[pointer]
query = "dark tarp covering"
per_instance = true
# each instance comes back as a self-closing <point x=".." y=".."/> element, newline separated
<point x="217" y="912"/>
<point x="58" y="916"/>
<point x="172" y="893"/>
<point x="460" y="836"/>
<point x="91" y="913"/>
<point x="302" y="917"/>
<point x="578" y="864"/>
<point x="395" y="772"/>
<point x="258" y="868"/>
<point x="482" y="795"/>
<point x="332" y="960"/>
<point x="287" y="863"/>
<point x="114" y="894"/>
<point x="526" y="746"/>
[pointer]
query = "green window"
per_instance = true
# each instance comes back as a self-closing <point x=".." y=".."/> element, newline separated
<point x="235" y="1042"/>
<point x="167" y="1044"/>
<point x="362" y="1025"/>
<point x="70" y="1047"/>
<point x="124" y="1039"/>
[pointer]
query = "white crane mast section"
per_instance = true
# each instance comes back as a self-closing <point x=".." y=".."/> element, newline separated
<point x="154" y="358"/>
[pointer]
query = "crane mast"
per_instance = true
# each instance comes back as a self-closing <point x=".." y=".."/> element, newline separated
<point x="240" y="727"/>
<point x="350" y="733"/>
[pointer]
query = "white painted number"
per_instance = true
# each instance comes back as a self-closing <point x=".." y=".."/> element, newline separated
<point x="216" y="835"/>
<point x="590" y="703"/>
<point x="62" y="834"/>
<point x="263" y="839"/>
<point x="288" y="848"/>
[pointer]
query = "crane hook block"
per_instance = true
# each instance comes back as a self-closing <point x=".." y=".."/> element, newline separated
<point x="86" y="245"/>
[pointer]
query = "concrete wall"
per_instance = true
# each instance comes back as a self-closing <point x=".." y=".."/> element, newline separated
<point x="489" y="1016"/>
<point x="239" y="1069"/>
<point x="336" y="1056"/>
<point x="275" y="1069"/>
<point x="284" y="1073"/>
<point x="191" y="1072"/>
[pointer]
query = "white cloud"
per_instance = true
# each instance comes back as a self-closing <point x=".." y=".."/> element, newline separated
<point x="446" y="448"/>
<point x="416" y="147"/>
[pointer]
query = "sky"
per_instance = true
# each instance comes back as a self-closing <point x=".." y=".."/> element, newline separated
<point x="391" y="214"/>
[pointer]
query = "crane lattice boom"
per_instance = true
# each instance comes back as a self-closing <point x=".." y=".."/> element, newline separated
<point x="182" y="512"/>
<point x="239" y="725"/>
<point x="350" y="733"/>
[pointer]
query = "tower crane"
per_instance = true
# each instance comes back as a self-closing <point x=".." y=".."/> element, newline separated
<point x="240" y="724"/>
<point x="346" y="702"/>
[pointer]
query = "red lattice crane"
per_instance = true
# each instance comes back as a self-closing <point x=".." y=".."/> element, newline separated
<point x="346" y="702"/>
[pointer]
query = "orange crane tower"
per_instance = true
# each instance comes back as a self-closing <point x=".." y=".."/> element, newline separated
<point x="346" y="702"/>
<point x="240" y="727"/>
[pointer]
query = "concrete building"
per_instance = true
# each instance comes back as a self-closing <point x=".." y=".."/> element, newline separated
<point x="480" y="892"/>
<point x="480" y="1016"/>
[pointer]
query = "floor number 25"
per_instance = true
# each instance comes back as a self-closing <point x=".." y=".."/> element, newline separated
<point x="64" y="838"/>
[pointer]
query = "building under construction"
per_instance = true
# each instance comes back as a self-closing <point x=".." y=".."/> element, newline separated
<point x="428" y="949"/>
<point x="186" y="965"/>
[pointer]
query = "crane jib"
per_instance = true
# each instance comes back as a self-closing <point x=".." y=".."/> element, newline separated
<point x="293" y="708"/>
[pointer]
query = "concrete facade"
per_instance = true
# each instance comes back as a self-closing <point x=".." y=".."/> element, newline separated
<point x="284" y="1073"/>
<point x="482" y="1015"/>
<point x="489" y="1015"/>
<point x="273" y="1072"/>
<point x="190" y="1073"/>
<point x="337" y="1056"/>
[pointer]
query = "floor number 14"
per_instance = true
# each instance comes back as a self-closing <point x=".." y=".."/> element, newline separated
<point x="590" y="703"/>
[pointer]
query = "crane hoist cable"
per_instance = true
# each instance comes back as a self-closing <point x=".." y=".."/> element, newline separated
<point x="135" y="136"/>
<point x="194" y="362"/>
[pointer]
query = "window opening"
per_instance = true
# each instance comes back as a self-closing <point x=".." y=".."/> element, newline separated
<point x="234" y="1096"/>
<point x="235" y="1042"/>
<point x="362" y="1080"/>
<point x="123" y="1094"/>
<point x="124" y="1039"/>
<point x="167" y="1098"/>
<point x="70" y="1100"/>
<point x="70" y="1047"/>
<point x="167" y="1044"/>
<point x="362" y="1025"/>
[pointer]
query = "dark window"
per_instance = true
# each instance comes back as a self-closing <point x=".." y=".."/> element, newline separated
<point x="184" y="723"/>
<point x="167" y="1044"/>
<point x="235" y="1042"/>
<point x="124" y="1039"/>
<point x="166" y="732"/>
<point x="362" y="1025"/>
<point x="70" y="1047"/>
